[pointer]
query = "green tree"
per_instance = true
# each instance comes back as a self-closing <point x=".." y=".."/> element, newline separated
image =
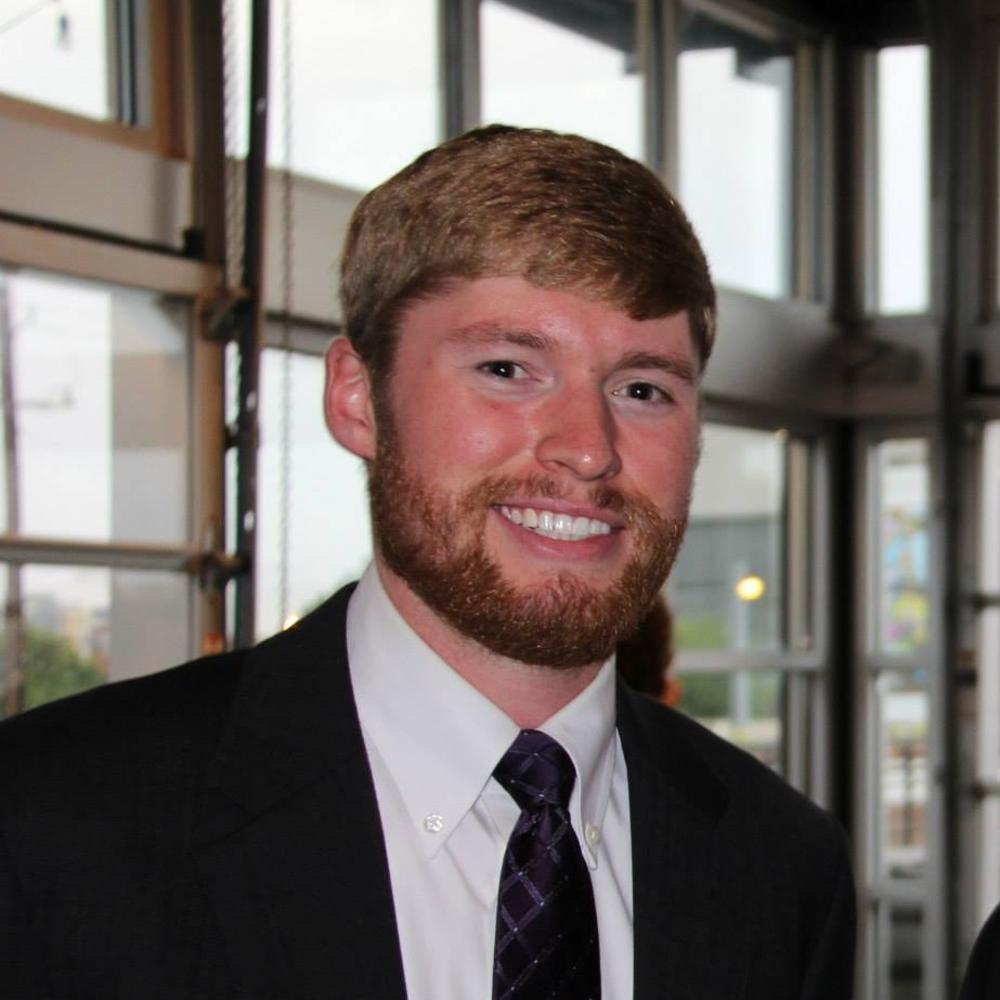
<point x="53" y="668"/>
<point x="705" y="696"/>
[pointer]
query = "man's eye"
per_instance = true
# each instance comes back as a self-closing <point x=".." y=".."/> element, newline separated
<point x="502" y="369"/>
<point x="645" y="392"/>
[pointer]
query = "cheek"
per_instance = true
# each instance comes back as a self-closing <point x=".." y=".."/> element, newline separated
<point x="665" y="473"/>
<point x="477" y="438"/>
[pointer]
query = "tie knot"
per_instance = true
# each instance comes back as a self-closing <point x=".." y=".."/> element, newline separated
<point x="536" y="770"/>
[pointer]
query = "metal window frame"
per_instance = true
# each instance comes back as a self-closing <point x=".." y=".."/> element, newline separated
<point x="808" y="731"/>
<point x="142" y="72"/>
<point x="201" y="557"/>
<point x="877" y="894"/>
<point x="808" y="156"/>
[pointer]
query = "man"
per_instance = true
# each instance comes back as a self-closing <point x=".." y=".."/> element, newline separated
<point x="433" y="786"/>
<point x="982" y="976"/>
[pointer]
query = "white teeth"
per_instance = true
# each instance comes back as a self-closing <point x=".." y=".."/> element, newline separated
<point x="563" y="527"/>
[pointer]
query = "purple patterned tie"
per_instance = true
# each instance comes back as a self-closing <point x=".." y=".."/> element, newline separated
<point x="546" y="943"/>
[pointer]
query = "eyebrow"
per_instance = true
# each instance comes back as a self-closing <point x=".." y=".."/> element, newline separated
<point x="495" y="333"/>
<point x="660" y="362"/>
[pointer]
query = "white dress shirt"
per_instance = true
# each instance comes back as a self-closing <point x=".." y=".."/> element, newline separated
<point x="433" y="741"/>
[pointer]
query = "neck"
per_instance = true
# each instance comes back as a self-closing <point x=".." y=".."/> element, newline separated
<point x="527" y="693"/>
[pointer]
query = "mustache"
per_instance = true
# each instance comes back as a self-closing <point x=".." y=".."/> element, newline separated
<point x="631" y="507"/>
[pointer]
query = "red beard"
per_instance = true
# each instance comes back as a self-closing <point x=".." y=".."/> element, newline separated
<point x="564" y="622"/>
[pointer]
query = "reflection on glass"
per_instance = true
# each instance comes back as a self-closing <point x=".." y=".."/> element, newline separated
<point x="899" y="951"/>
<point x="362" y="87"/>
<point x="81" y="626"/>
<point x="735" y="147"/>
<point x="726" y="588"/>
<point x="313" y="533"/>
<point x="57" y="54"/>
<point x="903" y="778"/>
<point x="903" y="179"/>
<point x="572" y="71"/>
<point x="902" y="567"/>
<point x="98" y="431"/>
<point x="743" y="707"/>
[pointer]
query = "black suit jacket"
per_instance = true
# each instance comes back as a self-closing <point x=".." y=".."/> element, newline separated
<point x="212" y="832"/>
<point x="982" y="977"/>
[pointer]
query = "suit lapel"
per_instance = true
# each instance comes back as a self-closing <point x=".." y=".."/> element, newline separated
<point x="289" y="842"/>
<point x="689" y="944"/>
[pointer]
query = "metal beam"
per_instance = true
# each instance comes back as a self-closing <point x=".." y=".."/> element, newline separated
<point x="955" y="55"/>
<point x="248" y="321"/>
<point x="208" y="92"/>
<point x="116" y="555"/>
<point x="459" y="65"/>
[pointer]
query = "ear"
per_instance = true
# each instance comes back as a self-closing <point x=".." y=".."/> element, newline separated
<point x="347" y="399"/>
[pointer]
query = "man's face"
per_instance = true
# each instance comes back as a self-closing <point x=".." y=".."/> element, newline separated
<point x="534" y="461"/>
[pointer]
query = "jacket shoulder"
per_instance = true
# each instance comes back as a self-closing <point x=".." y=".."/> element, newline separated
<point x="163" y="720"/>
<point x="751" y="791"/>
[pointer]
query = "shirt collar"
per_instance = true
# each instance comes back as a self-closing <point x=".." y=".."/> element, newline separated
<point x="440" y="739"/>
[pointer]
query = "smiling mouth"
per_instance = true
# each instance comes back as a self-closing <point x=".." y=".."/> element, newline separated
<point x="550" y="524"/>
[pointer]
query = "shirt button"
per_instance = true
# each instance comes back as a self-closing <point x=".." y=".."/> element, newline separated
<point x="592" y="834"/>
<point x="433" y="823"/>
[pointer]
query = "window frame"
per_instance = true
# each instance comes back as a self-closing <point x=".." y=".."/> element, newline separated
<point x="160" y="52"/>
<point x="806" y="726"/>
<point x="878" y="895"/>
<point x="194" y="282"/>
<point x="808" y="226"/>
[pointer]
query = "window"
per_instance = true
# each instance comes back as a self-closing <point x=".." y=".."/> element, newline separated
<point x="574" y="70"/>
<point x="899" y="714"/>
<point x="897" y="935"/>
<point x="80" y="626"/>
<point x="726" y="590"/>
<point x="903" y="565"/>
<point x="902" y="726"/>
<point x="903" y="242"/>
<point x="313" y="503"/>
<point x="359" y="82"/>
<point x="735" y="148"/>
<point x="97" y="427"/>
<point x="60" y="55"/>
<point x="106" y="63"/>
<point x="743" y="706"/>
<point x="741" y="595"/>
<point x="95" y="385"/>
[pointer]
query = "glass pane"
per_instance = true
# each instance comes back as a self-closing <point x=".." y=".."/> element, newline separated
<point x="987" y="688"/>
<point x="902" y="567"/>
<point x="743" y="707"/>
<point x="97" y="438"/>
<point x="899" y="951"/>
<point x="726" y="588"/>
<point x="735" y="147"/>
<point x="313" y="532"/>
<point x="81" y="626"/>
<point x="903" y="779"/>
<point x="57" y="54"/>
<point x="903" y="179"/>
<point x="575" y="70"/>
<point x="362" y="89"/>
<point x="906" y="966"/>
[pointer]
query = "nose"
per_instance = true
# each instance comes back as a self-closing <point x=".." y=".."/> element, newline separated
<point x="577" y="434"/>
